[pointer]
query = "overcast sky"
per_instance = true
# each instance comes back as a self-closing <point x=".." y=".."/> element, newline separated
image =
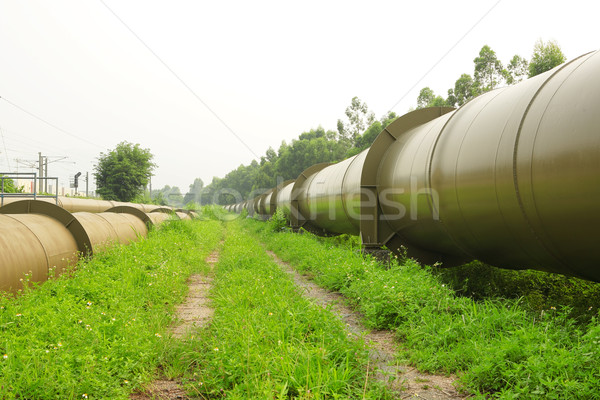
<point x="267" y="70"/>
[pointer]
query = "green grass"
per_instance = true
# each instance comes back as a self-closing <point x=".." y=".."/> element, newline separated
<point x="499" y="348"/>
<point x="536" y="290"/>
<point x="101" y="332"/>
<point x="266" y="341"/>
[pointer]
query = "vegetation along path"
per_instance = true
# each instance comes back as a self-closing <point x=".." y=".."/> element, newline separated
<point x="399" y="377"/>
<point x="194" y="313"/>
<point x="104" y="330"/>
<point x="497" y="347"/>
<point x="267" y="341"/>
<point x="110" y="328"/>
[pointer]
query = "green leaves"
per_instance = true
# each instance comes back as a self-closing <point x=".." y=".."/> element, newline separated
<point x="489" y="73"/>
<point x="9" y="186"/>
<point x="545" y="57"/>
<point x="488" y="69"/>
<point x="122" y="173"/>
<point x="267" y="341"/>
<point x="102" y="331"/>
<point x="499" y="347"/>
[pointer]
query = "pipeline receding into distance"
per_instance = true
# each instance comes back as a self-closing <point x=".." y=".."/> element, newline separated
<point x="512" y="178"/>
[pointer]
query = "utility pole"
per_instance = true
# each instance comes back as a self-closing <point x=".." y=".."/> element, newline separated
<point x="87" y="178"/>
<point x="41" y="171"/>
<point x="46" y="174"/>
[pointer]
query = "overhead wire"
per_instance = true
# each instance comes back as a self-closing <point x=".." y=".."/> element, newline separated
<point x="49" y="123"/>
<point x="4" y="145"/>
<point x="179" y="79"/>
<point x="445" y="54"/>
<point x="20" y="139"/>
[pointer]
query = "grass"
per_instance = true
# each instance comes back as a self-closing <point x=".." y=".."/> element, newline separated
<point x="266" y="341"/>
<point x="537" y="291"/>
<point x="102" y="331"/>
<point x="498" y="347"/>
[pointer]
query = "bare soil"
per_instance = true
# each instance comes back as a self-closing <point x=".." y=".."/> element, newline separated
<point x="400" y="378"/>
<point x="193" y="313"/>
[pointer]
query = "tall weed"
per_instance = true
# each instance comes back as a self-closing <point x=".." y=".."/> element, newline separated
<point x="499" y="347"/>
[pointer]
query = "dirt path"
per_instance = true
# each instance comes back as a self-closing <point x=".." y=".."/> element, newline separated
<point x="403" y="379"/>
<point x="194" y="313"/>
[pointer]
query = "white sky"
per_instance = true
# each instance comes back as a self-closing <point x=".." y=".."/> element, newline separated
<point x="269" y="69"/>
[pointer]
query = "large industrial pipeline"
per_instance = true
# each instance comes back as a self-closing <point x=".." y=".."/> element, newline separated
<point x="37" y="237"/>
<point x="512" y="178"/>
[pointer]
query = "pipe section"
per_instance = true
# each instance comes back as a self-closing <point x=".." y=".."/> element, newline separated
<point x="512" y="178"/>
<point x="330" y="197"/>
<point x="77" y="204"/>
<point x="37" y="236"/>
<point x="33" y="244"/>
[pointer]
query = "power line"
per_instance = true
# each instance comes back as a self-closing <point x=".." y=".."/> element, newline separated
<point x="48" y="123"/>
<point x="180" y="80"/>
<point x="445" y="54"/>
<point x="4" y="144"/>
<point x="20" y="138"/>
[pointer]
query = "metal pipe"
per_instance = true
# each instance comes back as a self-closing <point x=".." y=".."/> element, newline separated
<point x="330" y="197"/>
<point x="283" y="199"/>
<point x="512" y="178"/>
<point x="36" y="236"/>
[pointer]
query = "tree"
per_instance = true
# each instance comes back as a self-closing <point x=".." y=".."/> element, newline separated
<point x="464" y="89"/>
<point x="488" y="69"/>
<point x="175" y="197"/>
<point x="122" y="173"/>
<point x="516" y="70"/>
<point x="427" y="98"/>
<point x="388" y="119"/>
<point x="168" y="195"/>
<point x="10" y="187"/>
<point x="193" y="195"/>
<point x="359" y="118"/>
<point x="545" y="57"/>
<point x="366" y="139"/>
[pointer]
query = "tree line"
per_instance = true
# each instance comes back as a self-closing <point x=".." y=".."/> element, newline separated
<point x="354" y="134"/>
<point x="360" y="127"/>
<point x="124" y="173"/>
<point x="489" y="73"/>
